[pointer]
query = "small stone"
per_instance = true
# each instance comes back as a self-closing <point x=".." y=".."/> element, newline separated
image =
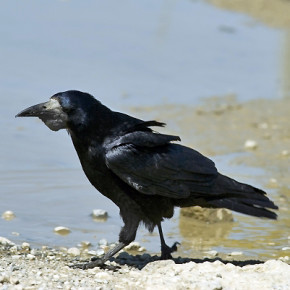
<point x="13" y="249"/>
<point x="285" y="248"/>
<point x="99" y="215"/>
<point x="85" y="244"/>
<point x="8" y="215"/>
<point x="236" y="253"/>
<point x="74" y="251"/>
<point x="63" y="231"/>
<point x="15" y="234"/>
<point x="92" y="253"/>
<point x="100" y="252"/>
<point x="103" y="276"/>
<point x="6" y="242"/>
<point x="285" y="153"/>
<point x="263" y="126"/>
<point x="273" y="183"/>
<point x="133" y="246"/>
<point x="25" y="246"/>
<point x="284" y="259"/>
<point x="251" y="144"/>
<point x="30" y="257"/>
<point x="14" y="280"/>
<point x="4" y="278"/>
<point x="103" y="242"/>
<point x="212" y="253"/>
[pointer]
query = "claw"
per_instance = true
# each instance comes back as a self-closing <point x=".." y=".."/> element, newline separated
<point x="174" y="247"/>
<point x="166" y="251"/>
<point x="90" y="265"/>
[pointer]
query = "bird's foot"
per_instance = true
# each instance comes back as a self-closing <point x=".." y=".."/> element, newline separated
<point x="166" y="251"/>
<point x="90" y="265"/>
<point x="95" y="262"/>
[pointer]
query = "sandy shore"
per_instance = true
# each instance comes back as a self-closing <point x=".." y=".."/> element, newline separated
<point x="24" y="268"/>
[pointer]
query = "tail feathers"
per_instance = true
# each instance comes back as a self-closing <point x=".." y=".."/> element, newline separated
<point x="242" y="198"/>
<point x="239" y="206"/>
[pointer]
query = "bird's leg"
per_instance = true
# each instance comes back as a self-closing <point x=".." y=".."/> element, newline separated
<point x="127" y="235"/>
<point x="166" y="250"/>
<point x="101" y="261"/>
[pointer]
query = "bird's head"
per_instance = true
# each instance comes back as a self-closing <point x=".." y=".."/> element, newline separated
<point x="63" y="110"/>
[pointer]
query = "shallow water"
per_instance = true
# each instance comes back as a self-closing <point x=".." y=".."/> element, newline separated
<point x="130" y="54"/>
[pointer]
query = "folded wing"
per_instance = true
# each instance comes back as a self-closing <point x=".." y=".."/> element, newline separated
<point x="153" y="165"/>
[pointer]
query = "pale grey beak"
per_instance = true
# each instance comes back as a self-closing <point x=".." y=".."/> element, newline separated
<point x="50" y="113"/>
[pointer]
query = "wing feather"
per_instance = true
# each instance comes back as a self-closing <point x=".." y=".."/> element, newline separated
<point x="152" y="165"/>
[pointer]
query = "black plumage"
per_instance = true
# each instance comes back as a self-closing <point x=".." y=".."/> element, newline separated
<point x="143" y="172"/>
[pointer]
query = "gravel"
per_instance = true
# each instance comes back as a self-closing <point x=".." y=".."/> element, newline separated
<point x="47" y="268"/>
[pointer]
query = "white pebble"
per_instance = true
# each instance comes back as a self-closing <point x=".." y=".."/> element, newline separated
<point x="263" y="126"/>
<point x="30" y="257"/>
<point x="236" y="253"/>
<point x="8" y="215"/>
<point x="6" y="242"/>
<point x="62" y="230"/>
<point x="100" y="252"/>
<point x="25" y="246"/>
<point x="285" y="248"/>
<point x="284" y="259"/>
<point x="92" y="253"/>
<point x="251" y="144"/>
<point x="99" y="214"/>
<point x="211" y="253"/>
<point x="133" y="246"/>
<point x="74" y="251"/>
<point x="103" y="242"/>
<point x="85" y="244"/>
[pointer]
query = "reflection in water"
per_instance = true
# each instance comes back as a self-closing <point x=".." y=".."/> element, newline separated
<point x="202" y="236"/>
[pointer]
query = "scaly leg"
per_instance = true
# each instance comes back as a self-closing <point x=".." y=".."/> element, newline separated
<point x="166" y="250"/>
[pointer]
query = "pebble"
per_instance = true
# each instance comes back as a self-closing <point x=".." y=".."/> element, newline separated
<point x="6" y="242"/>
<point x="92" y="253"/>
<point x="251" y="144"/>
<point x="273" y="183"/>
<point x="85" y="244"/>
<point x="236" y="253"/>
<point x="285" y="248"/>
<point x="100" y="214"/>
<point x="30" y="257"/>
<point x="42" y="273"/>
<point x="103" y="242"/>
<point x="25" y="246"/>
<point x="74" y="251"/>
<point x="285" y="153"/>
<point x="8" y="215"/>
<point x="284" y="259"/>
<point x="212" y="253"/>
<point x="133" y="246"/>
<point x="63" y="231"/>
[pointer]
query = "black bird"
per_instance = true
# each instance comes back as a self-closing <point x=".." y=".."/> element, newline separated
<point x="143" y="172"/>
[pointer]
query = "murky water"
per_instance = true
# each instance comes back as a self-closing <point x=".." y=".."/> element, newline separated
<point x="136" y="53"/>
